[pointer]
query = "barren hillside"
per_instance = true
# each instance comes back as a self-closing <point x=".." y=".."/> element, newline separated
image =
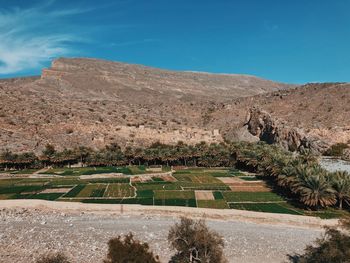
<point x="321" y="110"/>
<point x="93" y="103"/>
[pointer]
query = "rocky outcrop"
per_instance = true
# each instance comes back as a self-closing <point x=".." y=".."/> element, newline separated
<point x="262" y="125"/>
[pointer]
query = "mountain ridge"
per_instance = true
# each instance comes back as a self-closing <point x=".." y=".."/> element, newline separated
<point x="94" y="103"/>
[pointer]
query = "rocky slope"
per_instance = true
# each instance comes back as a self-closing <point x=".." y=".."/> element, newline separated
<point x="94" y="103"/>
<point x="319" y="111"/>
<point x="261" y="124"/>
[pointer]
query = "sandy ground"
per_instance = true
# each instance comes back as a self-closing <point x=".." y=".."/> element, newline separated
<point x="29" y="228"/>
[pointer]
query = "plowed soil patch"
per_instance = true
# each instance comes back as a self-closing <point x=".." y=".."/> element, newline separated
<point x="204" y="195"/>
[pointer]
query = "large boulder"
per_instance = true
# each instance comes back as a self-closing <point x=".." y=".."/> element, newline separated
<point x="273" y="131"/>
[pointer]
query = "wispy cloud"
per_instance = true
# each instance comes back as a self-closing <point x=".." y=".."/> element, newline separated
<point x="135" y="42"/>
<point x="30" y="37"/>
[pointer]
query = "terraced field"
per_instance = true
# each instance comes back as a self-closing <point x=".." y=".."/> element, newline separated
<point x="218" y="188"/>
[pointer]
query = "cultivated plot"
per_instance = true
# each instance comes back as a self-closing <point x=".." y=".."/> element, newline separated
<point x="119" y="191"/>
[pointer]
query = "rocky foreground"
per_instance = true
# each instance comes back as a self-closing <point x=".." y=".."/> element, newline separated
<point x="26" y="233"/>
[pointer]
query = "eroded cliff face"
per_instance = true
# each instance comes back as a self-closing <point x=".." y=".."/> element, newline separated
<point x="273" y="131"/>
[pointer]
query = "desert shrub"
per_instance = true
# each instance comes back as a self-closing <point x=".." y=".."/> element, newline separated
<point x="129" y="250"/>
<point x="195" y="242"/>
<point x="53" y="258"/>
<point x="337" y="149"/>
<point x="333" y="247"/>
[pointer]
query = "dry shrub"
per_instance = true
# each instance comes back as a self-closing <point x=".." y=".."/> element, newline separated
<point x="53" y="258"/>
<point x="333" y="247"/>
<point x="195" y="242"/>
<point x="129" y="250"/>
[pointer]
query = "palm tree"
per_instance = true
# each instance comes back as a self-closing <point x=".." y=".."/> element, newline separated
<point x="83" y="152"/>
<point x="314" y="189"/>
<point x="138" y="155"/>
<point x="7" y="158"/>
<point x="341" y="186"/>
<point x="287" y="176"/>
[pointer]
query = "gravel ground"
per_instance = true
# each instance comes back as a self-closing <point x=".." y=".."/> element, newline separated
<point x="333" y="164"/>
<point x="27" y="233"/>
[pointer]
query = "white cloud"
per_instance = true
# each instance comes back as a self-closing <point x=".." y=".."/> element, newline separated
<point x="30" y="37"/>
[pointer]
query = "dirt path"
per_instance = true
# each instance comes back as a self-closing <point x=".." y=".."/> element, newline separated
<point x="172" y="211"/>
<point x="29" y="228"/>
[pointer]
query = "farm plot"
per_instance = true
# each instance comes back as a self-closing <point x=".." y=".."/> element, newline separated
<point x="21" y="189"/>
<point x="92" y="190"/>
<point x="217" y="204"/>
<point x="173" y="194"/>
<point x="44" y="196"/>
<point x="197" y="178"/>
<point x="75" y="191"/>
<point x="56" y="190"/>
<point x="204" y="195"/>
<point x="199" y="182"/>
<point x="239" y="197"/>
<point x="157" y="186"/>
<point x="164" y="177"/>
<point x="119" y="190"/>
<point x="125" y="180"/>
<point x="240" y="185"/>
<point x="141" y="179"/>
<point x="265" y="207"/>
<point x="64" y="181"/>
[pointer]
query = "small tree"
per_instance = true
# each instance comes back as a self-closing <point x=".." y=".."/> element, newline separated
<point x="53" y="258"/>
<point x="195" y="242"/>
<point x="334" y="247"/>
<point x="129" y="250"/>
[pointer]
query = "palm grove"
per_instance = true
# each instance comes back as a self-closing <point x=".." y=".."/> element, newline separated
<point x="298" y="177"/>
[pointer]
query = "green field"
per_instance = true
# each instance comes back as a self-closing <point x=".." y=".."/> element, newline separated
<point x="173" y="194"/>
<point x="252" y="197"/>
<point x="218" y="204"/>
<point x="156" y="191"/>
<point x="92" y="190"/>
<point x="264" y="207"/>
<point x="119" y="190"/>
<point x="158" y="186"/>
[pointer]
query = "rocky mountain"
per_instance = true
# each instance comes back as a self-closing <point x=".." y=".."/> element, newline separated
<point x="94" y="103"/>
<point x="262" y="125"/>
<point x="318" y="111"/>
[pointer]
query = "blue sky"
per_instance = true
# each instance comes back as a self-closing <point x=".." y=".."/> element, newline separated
<point x="290" y="41"/>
